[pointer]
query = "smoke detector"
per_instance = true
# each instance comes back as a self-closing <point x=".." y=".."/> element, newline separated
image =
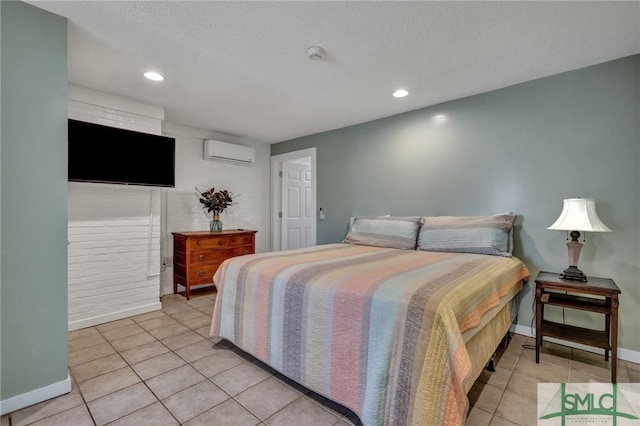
<point x="315" y="53"/>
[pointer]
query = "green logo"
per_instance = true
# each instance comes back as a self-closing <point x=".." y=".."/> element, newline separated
<point x="599" y="403"/>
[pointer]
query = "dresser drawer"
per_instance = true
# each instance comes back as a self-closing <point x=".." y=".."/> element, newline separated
<point x="221" y="242"/>
<point x="203" y="257"/>
<point x="217" y="242"/>
<point x="203" y="274"/>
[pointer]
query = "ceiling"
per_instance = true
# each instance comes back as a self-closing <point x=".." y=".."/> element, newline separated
<point x="240" y="68"/>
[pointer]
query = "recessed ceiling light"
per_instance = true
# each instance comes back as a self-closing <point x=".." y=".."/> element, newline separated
<point x="400" y="93"/>
<point x="440" y="118"/>
<point x="152" y="75"/>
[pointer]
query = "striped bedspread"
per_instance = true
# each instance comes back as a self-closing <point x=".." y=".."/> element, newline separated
<point x="377" y="330"/>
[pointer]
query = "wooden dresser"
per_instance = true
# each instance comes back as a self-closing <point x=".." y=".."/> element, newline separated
<point x="198" y="254"/>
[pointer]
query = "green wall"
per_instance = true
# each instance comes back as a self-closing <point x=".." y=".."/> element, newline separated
<point x="33" y="192"/>
<point x="523" y="149"/>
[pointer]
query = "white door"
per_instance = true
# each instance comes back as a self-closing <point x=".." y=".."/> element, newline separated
<point x="297" y="206"/>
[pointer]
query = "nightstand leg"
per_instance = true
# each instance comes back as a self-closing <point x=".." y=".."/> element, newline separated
<point x="538" y="324"/>
<point x="541" y="317"/>
<point x="607" y="330"/>
<point x="614" y="338"/>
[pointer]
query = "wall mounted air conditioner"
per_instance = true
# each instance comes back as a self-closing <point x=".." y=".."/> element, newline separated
<point x="224" y="151"/>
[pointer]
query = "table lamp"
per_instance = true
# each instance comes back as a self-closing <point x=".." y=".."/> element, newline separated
<point x="578" y="215"/>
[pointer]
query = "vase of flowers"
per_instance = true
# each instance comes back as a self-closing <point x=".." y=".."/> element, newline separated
<point x="216" y="224"/>
<point x="215" y="202"/>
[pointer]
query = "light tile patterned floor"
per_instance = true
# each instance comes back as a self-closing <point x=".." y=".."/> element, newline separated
<point x="161" y="368"/>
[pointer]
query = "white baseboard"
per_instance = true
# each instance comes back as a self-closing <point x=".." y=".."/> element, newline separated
<point x="112" y="316"/>
<point x="26" y="399"/>
<point x="625" y="354"/>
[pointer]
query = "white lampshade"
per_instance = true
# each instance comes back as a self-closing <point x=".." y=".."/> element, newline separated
<point x="579" y="214"/>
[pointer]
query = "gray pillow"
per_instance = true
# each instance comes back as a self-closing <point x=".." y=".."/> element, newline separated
<point x="468" y="234"/>
<point x="384" y="231"/>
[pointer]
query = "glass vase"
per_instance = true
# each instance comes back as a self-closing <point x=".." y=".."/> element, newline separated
<point x="216" y="224"/>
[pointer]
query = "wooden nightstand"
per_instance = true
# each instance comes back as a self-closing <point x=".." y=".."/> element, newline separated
<point x="548" y="286"/>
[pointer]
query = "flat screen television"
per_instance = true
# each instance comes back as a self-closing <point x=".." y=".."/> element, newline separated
<point x="106" y="154"/>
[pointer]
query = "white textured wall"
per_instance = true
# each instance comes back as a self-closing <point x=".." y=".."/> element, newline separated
<point x="113" y="253"/>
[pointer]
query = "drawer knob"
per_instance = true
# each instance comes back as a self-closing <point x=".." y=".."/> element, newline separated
<point x="220" y="242"/>
<point x="246" y="252"/>
<point x="200" y="273"/>
<point x="201" y="257"/>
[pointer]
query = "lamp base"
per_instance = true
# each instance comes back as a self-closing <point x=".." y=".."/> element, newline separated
<point x="573" y="273"/>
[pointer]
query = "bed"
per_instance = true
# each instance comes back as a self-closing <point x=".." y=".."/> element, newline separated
<point x="396" y="335"/>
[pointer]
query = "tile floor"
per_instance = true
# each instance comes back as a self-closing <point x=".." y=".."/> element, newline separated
<point x="161" y="368"/>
